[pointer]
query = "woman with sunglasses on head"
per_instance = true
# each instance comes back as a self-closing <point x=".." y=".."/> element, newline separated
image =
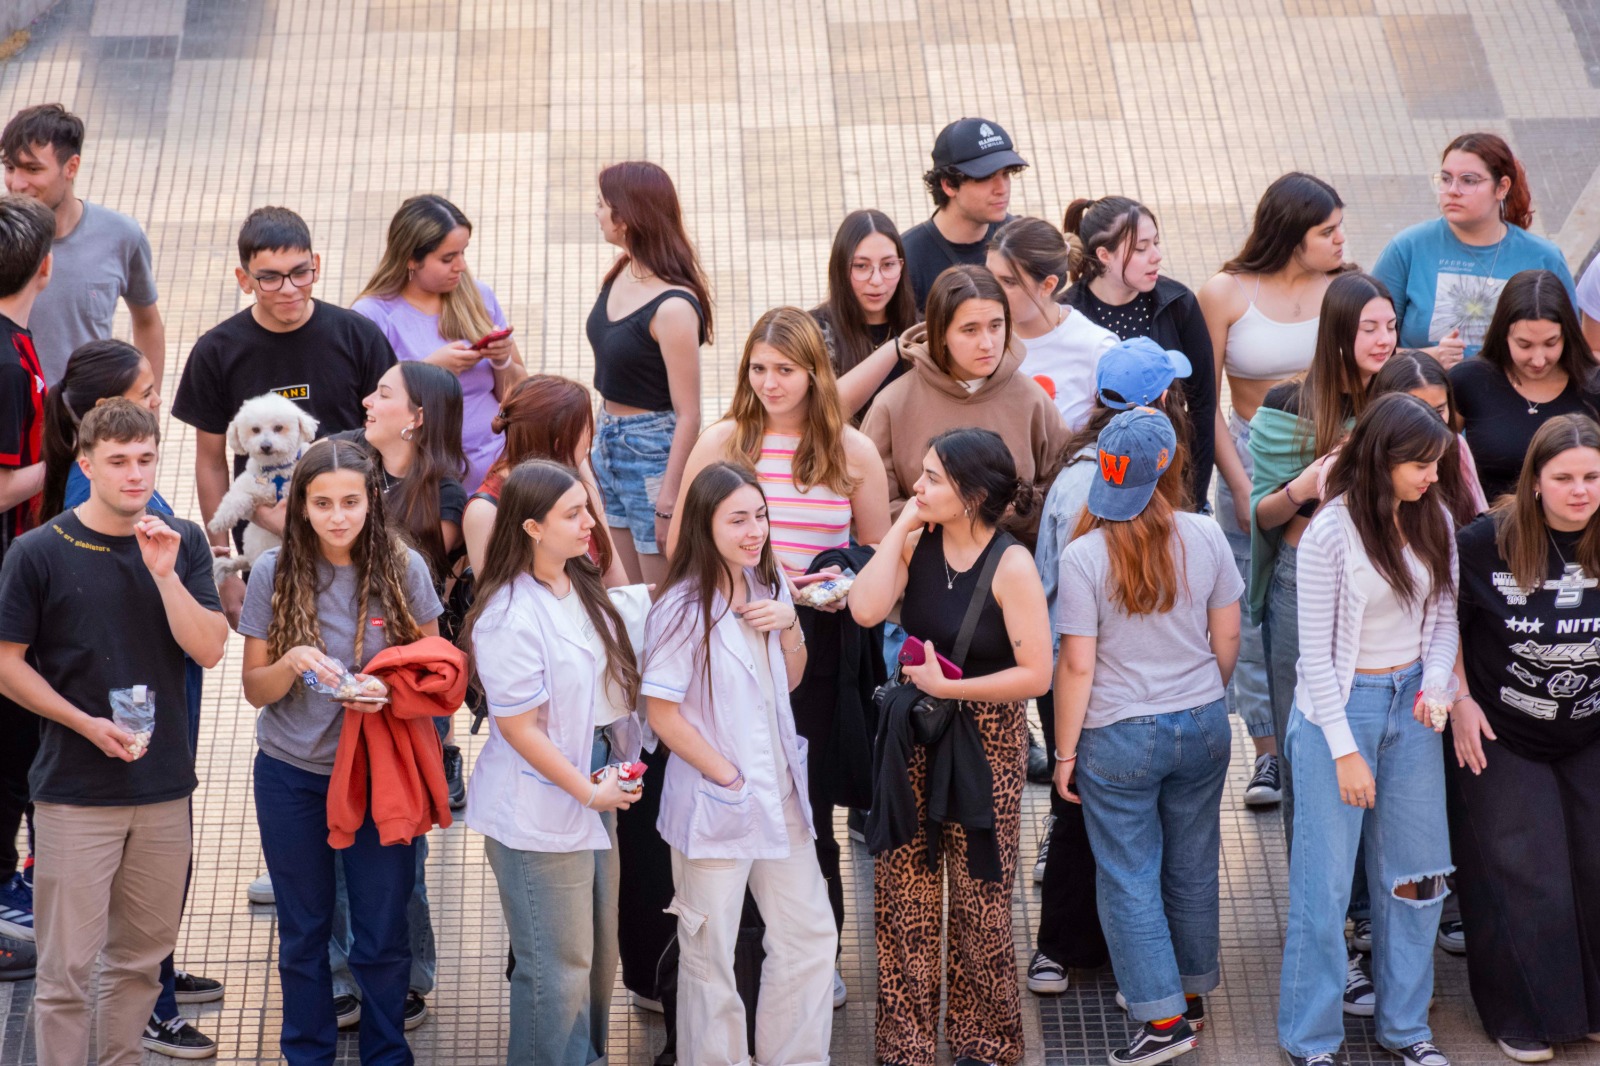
<point x="869" y="302"/>
<point x="1446" y="273"/>
<point x="1378" y="643"/>
<point x="1262" y="310"/>
<point x="1534" y="364"/>
<point x="1526" y="760"/>
<point x="431" y="309"/>
<point x="1118" y="285"/>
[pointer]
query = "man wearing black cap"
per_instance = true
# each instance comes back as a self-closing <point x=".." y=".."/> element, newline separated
<point x="973" y="161"/>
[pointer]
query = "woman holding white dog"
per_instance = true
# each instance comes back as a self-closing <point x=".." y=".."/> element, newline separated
<point x="429" y="306"/>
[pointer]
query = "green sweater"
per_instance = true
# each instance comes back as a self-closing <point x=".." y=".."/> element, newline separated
<point x="1279" y="450"/>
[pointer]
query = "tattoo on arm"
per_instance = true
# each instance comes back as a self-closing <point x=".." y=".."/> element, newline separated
<point x="1016" y="643"/>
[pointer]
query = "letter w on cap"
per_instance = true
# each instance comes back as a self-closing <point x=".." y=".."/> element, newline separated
<point x="1113" y="467"/>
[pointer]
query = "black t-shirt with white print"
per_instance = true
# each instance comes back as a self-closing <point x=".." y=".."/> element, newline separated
<point x="1532" y="658"/>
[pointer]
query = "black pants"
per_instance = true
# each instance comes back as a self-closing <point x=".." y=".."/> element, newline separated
<point x="1069" y="913"/>
<point x="644" y="929"/>
<point x="813" y="703"/>
<point x="19" y="743"/>
<point x="1526" y="841"/>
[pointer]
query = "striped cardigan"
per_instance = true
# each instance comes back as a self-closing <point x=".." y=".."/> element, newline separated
<point x="1330" y="611"/>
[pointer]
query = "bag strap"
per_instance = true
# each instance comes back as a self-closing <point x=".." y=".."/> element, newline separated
<point x="980" y="593"/>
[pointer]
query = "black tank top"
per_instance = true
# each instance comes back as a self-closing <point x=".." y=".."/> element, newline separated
<point x="933" y="609"/>
<point x="628" y="367"/>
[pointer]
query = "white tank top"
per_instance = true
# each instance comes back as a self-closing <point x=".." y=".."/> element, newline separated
<point x="1391" y="630"/>
<point x="1260" y="349"/>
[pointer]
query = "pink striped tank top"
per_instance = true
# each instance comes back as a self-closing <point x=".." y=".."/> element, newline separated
<point x="803" y="524"/>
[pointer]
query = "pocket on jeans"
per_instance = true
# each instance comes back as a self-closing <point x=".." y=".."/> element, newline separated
<point x="649" y="438"/>
<point x="1212" y="722"/>
<point x="1119" y="752"/>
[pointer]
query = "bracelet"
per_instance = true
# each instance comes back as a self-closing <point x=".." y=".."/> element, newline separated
<point x="501" y="365"/>
<point x="664" y="517"/>
<point x="737" y="777"/>
<point x="1065" y="758"/>
<point x="1289" y="495"/>
<point x="797" y="649"/>
<point x="594" y="790"/>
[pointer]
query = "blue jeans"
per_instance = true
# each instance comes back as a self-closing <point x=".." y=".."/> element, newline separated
<point x="418" y="918"/>
<point x="1280" y="639"/>
<point x="630" y="461"/>
<point x="1248" y="694"/>
<point x="1407" y="843"/>
<point x="561" y="912"/>
<point x="292" y="811"/>
<point x="1152" y="793"/>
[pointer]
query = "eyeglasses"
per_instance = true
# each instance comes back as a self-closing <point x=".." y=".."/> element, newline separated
<point x="889" y="269"/>
<point x="1465" y="182"/>
<point x="300" y="277"/>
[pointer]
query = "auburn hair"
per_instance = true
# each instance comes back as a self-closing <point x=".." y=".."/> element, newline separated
<point x="1144" y="552"/>
<point x="1517" y="208"/>
<point x="643" y="199"/>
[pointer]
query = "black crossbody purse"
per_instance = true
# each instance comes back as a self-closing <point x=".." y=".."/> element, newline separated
<point x="931" y="715"/>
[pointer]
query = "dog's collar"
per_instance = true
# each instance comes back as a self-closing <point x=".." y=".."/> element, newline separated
<point x="281" y="466"/>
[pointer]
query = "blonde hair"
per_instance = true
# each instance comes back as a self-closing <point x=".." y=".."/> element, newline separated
<point x="415" y="231"/>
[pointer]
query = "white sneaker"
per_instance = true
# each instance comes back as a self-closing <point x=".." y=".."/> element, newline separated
<point x="841" y="994"/>
<point x="260" y="891"/>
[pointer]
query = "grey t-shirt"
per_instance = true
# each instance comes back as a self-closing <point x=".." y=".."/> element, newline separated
<point x="1149" y="663"/>
<point x="302" y="729"/>
<point x="104" y="259"/>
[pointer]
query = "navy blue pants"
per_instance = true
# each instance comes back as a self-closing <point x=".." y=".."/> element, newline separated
<point x="292" y="810"/>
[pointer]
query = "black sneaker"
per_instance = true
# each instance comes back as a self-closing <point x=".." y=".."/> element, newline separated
<point x="1361" y="935"/>
<point x="1266" y="783"/>
<point x="416" y="1010"/>
<point x="1421" y="1053"/>
<point x="1525" y="1050"/>
<point x="192" y="988"/>
<point x="1041" y="768"/>
<point x="177" y="1039"/>
<point x="347" y="1011"/>
<point x="1311" y="1060"/>
<point x="1360" y="998"/>
<point x="1194" y="1010"/>
<point x="17" y="959"/>
<point x="1046" y="976"/>
<point x="1452" y="938"/>
<point x="453" y="777"/>
<point x="1153" y="1045"/>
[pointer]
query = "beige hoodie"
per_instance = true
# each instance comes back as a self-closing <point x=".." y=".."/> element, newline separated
<point x="919" y="405"/>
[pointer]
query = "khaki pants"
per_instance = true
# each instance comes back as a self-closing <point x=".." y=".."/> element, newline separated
<point x="106" y="879"/>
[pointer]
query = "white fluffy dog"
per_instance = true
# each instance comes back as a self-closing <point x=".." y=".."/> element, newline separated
<point x="272" y="433"/>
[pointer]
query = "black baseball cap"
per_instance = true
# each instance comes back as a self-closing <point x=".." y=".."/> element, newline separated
<point x="975" y="146"/>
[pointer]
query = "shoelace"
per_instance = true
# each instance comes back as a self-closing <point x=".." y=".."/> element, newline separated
<point x="174" y="1026"/>
<point x="1353" y="978"/>
<point x="1422" y="1049"/>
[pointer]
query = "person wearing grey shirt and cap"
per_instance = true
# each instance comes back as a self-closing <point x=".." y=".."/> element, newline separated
<point x="973" y="164"/>
<point x="101" y="256"/>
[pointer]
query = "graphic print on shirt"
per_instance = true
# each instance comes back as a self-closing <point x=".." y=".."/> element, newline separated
<point x="1463" y="301"/>
<point x="1525" y="625"/>
<point x="1566" y="684"/>
<point x="1590" y="704"/>
<point x="1570" y="585"/>
<point x="1523" y="674"/>
<point x="1506" y="585"/>
<point x="1536" y="706"/>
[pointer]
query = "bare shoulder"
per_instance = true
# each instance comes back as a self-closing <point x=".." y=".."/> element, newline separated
<point x="1222" y="294"/>
<point x="858" y="447"/>
<point x="676" y="316"/>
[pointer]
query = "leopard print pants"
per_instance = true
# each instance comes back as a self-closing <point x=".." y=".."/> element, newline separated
<point x="983" y="1018"/>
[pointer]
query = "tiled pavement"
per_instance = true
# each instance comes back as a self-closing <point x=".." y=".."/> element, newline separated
<point x="775" y="118"/>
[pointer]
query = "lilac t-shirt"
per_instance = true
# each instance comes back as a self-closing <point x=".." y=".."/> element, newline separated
<point x="415" y="336"/>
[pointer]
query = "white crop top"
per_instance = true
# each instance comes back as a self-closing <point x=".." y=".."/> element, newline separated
<point x="1261" y="349"/>
<point x="1391" y="630"/>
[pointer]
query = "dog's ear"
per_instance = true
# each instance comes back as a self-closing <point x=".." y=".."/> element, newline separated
<point x="308" y="428"/>
<point x="235" y="440"/>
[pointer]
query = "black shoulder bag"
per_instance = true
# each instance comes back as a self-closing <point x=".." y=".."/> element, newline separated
<point x="931" y="715"/>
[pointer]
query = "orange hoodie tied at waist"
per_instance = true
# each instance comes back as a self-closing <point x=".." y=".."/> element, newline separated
<point x="397" y="748"/>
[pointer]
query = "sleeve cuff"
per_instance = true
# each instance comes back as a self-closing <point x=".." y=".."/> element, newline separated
<point x="662" y="692"/>
<point x="509" y="710"/>
<point x="1341" y="741"/>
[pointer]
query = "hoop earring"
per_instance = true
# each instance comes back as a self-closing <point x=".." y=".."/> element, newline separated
<point x="405" y="434"/>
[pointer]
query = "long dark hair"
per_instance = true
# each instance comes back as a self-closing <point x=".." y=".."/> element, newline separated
<point x="1520" y="531"/>
<point x="96" y="371"/>
<point x="1292" y="206"/>
<point x="1395" y="429"/>
<point x="642" y="197"/>
<point x="436" y="454"/>
<point x="1406" y="371"/>
<point x="1331" y="391"/>
<point x="952" y="288"/>
<point x="1111" y="222"/>
<point x="698" y="565"/>
<point x="984" y="474"/>
<point x="1037" y="250"/>
<point x="1517" y="207"/>
<point x="531" y="490"/>
<point x="379" y="558"/>
<point x="1538" y="295"/>
<point x="841" y="310"/>
<point x="1175" y="486"/>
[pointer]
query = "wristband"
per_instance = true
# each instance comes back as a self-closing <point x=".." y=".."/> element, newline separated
<point x="1289" y="495"/>
<point x="737" y="777"/>
<point x="1065" y="758"/>
<point x="501" y="365"/>
<point x="664" y="517"/>
<point x="594" y="790"/>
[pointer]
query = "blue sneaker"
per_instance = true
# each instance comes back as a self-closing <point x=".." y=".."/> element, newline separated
<point x="16" y="908"/>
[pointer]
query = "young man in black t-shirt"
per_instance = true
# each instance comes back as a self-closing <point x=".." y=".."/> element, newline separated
<point x="112" y="813"/>
<point x="321" y="356"/>
<point x="973" y="164"/>
<point x="27" y="229"/>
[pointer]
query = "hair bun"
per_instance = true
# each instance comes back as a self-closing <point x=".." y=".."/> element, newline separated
<point x="500" y="421"/>
<point x="1024" y="498"/>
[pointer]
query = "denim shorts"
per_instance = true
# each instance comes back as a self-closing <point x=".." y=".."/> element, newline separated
<point x="630" y="462"/>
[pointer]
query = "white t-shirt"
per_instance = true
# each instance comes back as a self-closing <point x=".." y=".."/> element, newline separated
<point x="605" y="711"/>
<point x="1063" y="362"/>
<point x="757" y="642"/>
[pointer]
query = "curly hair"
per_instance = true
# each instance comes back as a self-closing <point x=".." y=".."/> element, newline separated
<point x="379" y="556"/>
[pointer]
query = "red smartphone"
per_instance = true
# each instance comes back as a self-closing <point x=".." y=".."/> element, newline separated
<point x="492" y="336"/>
<point x="911" y="654"/>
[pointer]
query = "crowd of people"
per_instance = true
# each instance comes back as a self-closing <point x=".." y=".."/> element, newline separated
<point x="693" y="647"/>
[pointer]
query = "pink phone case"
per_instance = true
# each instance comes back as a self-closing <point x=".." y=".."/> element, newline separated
<point x="911" y="654"/>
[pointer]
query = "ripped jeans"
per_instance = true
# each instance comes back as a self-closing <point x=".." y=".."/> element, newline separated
<point x="1407" y="843"/>
<point x="794" y="1014"/>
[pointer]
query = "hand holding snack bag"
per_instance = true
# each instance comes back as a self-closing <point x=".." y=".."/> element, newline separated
<point x="1433" y="703"/>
